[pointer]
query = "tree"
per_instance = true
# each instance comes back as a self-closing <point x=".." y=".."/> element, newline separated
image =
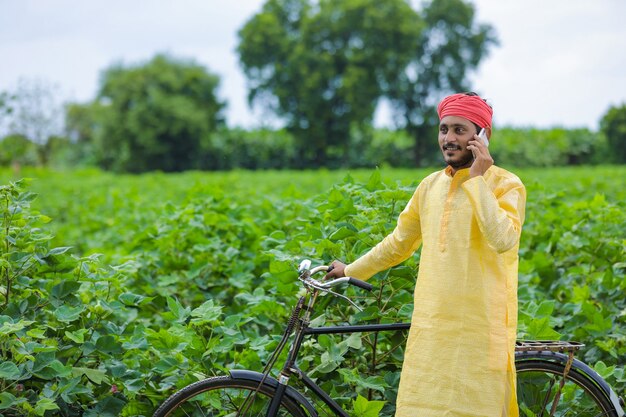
<point x="322" y="66"/>
<point x="154" y="116"/>
<point x="17" y="150"/>
<point x="613" y="126"/>
<point x="82" y="121"/>
<point x="35" y="112"/>
<point x="452" y="45"/>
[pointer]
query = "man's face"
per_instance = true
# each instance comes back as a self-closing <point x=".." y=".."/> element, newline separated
<point x="454" y="134"/>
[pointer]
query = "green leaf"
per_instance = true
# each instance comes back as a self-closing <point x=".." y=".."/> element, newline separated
<point x="54" y="369"/>
<point x="179" y="312"/>
<point x="206" y="313"/>
<point x="77" y="336"/>
<point x="335" y="196"/>
<point x="134" y="385"/>
<point x="545" y="309"/>
<point x="59" y="251"/>
<point x="108" y="344"/>
<point x="45" y="404"/>
<point x="352" y="377"/>
<point x="164" y="340"/>
<point x="9" y="327"/>
<point x="540" y="329"/>
<point x="68" y="314"/>
<point x="37" y="333"/>
<point x="341" y="233"/>
<point x="354" y="341"/>
<point x="364" y="408"/>
<point x="95" y="375"/>
<point x="7" y="400"/>
<point x="9" y="370"/>
<point x="604" y="370"/>
<point x="64" y="289"/>
<point x="134" y="300"/>
<point x="375" y="181"/>
<point x="107" y="407"/>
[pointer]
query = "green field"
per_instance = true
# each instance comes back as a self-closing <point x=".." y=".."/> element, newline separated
<point x="197" y="272"/>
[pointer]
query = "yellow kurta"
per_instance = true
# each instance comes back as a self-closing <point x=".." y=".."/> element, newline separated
<point x="460" y="352"/>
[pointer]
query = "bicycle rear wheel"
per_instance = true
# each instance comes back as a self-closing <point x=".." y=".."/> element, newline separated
<point x="539" y="381"/>
<point x="224" y="396"/>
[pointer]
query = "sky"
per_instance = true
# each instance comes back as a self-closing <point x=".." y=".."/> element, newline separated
<point x="558" y="63"/>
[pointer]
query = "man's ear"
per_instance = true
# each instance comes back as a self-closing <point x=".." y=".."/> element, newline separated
<point x="488" y="131"/>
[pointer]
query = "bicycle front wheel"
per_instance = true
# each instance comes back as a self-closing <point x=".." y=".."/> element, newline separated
<point x="539" y="392"/>
<point x="225" y="396"/>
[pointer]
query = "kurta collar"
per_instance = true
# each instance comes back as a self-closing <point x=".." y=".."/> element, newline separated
<point x="463" y="172"/>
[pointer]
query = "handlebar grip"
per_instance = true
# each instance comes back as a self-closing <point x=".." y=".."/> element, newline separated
<point x="360" y="284"/>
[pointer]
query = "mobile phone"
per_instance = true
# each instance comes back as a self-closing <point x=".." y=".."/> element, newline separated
<point x="483" y="136"/>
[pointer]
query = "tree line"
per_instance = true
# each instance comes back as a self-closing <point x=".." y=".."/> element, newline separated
<point x="321" y="67"/>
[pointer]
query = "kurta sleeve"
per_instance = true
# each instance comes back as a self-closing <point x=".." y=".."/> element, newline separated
<point x="393" y="249"/>
<point x="499" y="213"/>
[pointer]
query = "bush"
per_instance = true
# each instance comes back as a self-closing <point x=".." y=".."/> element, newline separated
<point x="546" y="147"/>
<point x="59" y="319"/>
<point x="369" y="148"/>
<point x="613" y="127"/>
<point x="237" y="148"/>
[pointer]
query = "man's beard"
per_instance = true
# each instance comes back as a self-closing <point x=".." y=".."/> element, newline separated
<point x="465" y="161"/>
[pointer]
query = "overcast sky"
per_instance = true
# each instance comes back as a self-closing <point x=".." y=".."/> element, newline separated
<point x="559" y="62"/>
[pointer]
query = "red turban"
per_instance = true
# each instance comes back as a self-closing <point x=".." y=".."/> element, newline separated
<point x="472" y="108"/>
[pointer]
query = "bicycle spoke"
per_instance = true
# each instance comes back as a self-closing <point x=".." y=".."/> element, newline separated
<point x="225" y="397"/>
<point x="543" y="393"/>
<point x="546" y="400"/>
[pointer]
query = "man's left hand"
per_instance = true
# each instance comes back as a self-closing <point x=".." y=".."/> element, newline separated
<point x="482" y="157"/>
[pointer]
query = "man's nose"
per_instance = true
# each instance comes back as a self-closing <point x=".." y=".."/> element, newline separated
<point x="449" y="137"/>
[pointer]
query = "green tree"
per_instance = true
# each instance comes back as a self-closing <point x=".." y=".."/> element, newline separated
<point x="32" y="110"/>
<point x="322" y="66"/>
<point x="452" y="45"/>
<point x="82" y="124"/>
<point x="155" y="115"/>
<point x="82" y="121"/>
<point x="613" y="126"/>
<point x="17" y="150"/>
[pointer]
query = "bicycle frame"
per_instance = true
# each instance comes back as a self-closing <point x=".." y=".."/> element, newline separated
<point x="340" y="330"/>
<point x="290" y="368"/>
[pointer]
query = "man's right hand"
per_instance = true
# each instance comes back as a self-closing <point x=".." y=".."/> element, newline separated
<point x="337" y="270"/>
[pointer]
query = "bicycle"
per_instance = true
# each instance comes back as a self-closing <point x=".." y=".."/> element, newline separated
<point x="550" y="381"/>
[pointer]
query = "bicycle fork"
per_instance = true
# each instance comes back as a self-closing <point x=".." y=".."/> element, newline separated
<point x="283" y="380"/>
<point x="272" y="411"/>
<point x="286" y="372"/>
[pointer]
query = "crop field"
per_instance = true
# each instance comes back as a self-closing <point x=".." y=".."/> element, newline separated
<point x="116" y="290"/>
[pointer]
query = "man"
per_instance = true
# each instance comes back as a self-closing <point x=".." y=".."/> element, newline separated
<point x="460" y="352"/>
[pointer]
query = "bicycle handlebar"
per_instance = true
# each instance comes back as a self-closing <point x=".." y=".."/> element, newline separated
<point x="361" y="284"/>
<point x="306" y="273"/>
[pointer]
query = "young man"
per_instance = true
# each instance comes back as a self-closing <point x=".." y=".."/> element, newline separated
<point x="460" y="352"/>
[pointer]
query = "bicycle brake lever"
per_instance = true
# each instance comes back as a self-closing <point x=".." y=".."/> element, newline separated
<point x="321" y="287"/>
<point x="347" y="299"/>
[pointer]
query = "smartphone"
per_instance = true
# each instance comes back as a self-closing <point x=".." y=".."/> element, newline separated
<point x="483" y="136"/>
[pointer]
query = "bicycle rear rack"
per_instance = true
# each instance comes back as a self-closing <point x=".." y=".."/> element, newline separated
<point x="547" y="345"/>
